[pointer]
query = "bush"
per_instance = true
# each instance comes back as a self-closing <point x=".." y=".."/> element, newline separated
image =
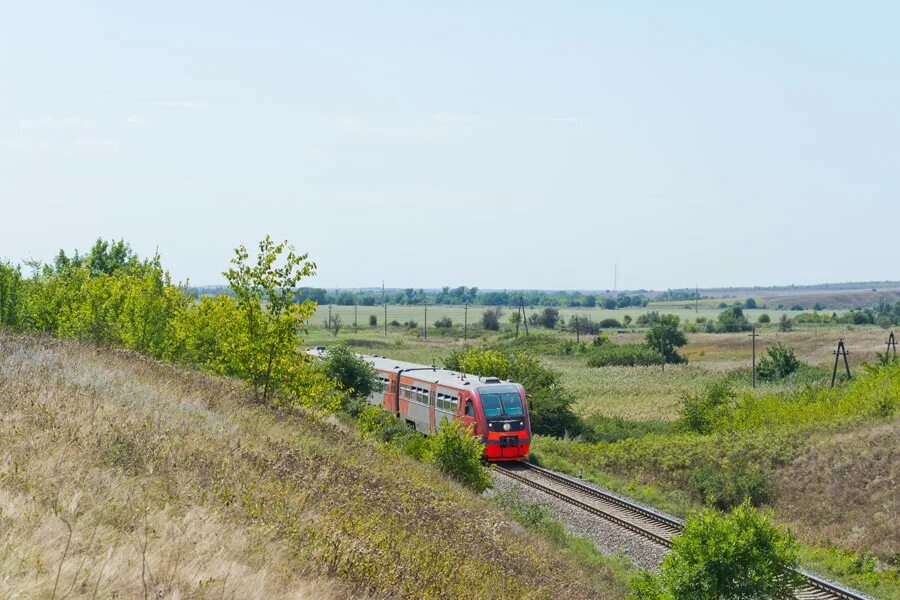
<point x="623" y="355"/>
<point x="764" y="318"/>
<point x="647" y="319"/>
<point x="626" y="320"/>
<point x="610" y="324"/>
<point x="411" y="324"/>
<point x="490" y="319"/>
<point x="785" y="324"/>
<point x="600" y="340"/>
<point x="444" y="323"/>
<point x="583" y="326"/>
<point x="700" y="411"/>
<point x="457" y="453"/>
<point x="739" y="555"/>
<point x="750" y="303"/>
<point x="352" y="373"/>
<point x="732" y="319"/>
<point x="394" y="323"/>
<point x="778" y="364"/>
<point x="373" y="321"/>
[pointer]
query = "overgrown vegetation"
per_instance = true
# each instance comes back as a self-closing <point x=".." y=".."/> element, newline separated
<point x="779" y="362"/>
<point x="738" y="555"/>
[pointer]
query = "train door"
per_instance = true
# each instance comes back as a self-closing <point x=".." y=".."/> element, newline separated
<point x="469" y="416"/>
<point x="431" y="408"/>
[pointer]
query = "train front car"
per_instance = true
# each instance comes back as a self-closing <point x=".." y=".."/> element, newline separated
<point x="506" y="428"/>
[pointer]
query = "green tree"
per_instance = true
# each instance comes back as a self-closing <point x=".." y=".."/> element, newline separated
<point x="732" y="319"/>
<point x="665" y="337"/>
<point x="11" y="295"/>
<point x="738" y="556"/>
<point x="455" y="451"/>
<point x="354" y="374"/>
<point x="764" y="318"/>
<point x="270" y="312"/>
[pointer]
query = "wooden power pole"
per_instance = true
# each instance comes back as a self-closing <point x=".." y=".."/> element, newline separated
<point x="841" y="351"/>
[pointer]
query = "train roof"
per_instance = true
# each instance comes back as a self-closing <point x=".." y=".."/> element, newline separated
<point x="429" y="373"/>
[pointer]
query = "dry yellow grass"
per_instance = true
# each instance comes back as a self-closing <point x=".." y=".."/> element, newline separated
<point x="173" y="486"/>
<point x="845" y="488"/>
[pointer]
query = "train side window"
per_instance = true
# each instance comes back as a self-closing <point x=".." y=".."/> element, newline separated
<point x="470" y="409"/>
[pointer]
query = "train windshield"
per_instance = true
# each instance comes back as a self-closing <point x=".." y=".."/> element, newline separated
<point x="501" y="401"/>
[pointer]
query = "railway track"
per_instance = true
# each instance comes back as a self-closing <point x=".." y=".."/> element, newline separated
<point x="644" y="521"/>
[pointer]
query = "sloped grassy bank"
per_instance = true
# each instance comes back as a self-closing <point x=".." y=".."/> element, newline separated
<point x="824" y="459"/>
<point x="118" y="471"/>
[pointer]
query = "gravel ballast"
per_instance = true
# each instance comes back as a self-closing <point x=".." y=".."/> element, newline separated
<point x="609" y="537"/>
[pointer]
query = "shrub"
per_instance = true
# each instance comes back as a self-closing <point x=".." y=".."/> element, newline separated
<point x="626" y="320"/>
<point x="739" y="555"/>
<point x="700" y="411"/>
<point x="778" y="364"/>
<point x="373" y="321"/>
<point x="354" y="375"/>
<point x="600" y="340"/>
<point x="764" y="318"/>
<point x="549" y="317"/>
<point x="647" y="319"/>
<point x="750" y="303"/>
<point x="584" y="326"/>
<point x="490" y="319"/>
<point x="457" y="453"/>
<point x="610" y="324"/>
<point x="732" y="319"/>
<point x="785" y="324"/>
<point x="394" y="323"/>
<point x="444" y="323"/>
<point x="411" y="324"/>
<point x="623" y="355"/>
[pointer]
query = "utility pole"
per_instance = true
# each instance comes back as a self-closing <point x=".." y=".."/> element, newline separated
<point x="426" y="320"/>
<point x="841" y="351"/>
<point x="891" y="343"/>
<point x="662" y="352"/>
<point x="329" y="318"/>
<point x="753" y="335"/>
<point x="466" y="322"/>
<point x="577" y="323"/>
<point x="525" y="320"/>
<point x="697" y="299"/>
<point x="355" y="314"/>
<point x="615" y="277"/>
<point x="384" y="302"/>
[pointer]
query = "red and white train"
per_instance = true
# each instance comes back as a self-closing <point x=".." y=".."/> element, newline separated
<point x="424" y="395"/>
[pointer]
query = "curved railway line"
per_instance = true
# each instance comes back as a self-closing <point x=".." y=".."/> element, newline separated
<point x="651" y="524"/>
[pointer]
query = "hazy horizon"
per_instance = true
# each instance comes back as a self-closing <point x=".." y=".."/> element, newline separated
<point x="505" y="145"/>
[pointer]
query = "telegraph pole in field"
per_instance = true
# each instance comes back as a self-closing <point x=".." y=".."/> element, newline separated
<point x="841" y="351"/>
<point x="466" y="322"/>
<point x="426" y="319"/>
<point x="891" y="343"/>
<point x="384" y="301"/>
<point x="355" y="314"/>
<point x="754" y="336"/>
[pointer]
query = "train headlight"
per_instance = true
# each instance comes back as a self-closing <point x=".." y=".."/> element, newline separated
<point x="506" y="427"/>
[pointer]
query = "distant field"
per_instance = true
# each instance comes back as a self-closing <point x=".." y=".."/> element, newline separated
<point x="708" y="309"/>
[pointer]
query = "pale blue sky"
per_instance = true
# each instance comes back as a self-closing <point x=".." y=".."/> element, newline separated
<point x="498" y="144"/>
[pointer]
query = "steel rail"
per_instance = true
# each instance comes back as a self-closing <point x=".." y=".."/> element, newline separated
<point x="817" y="588"/>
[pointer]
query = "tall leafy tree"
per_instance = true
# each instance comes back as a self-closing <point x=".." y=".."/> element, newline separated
<point x="665" y="337"/>
<point x="271" y="313"/>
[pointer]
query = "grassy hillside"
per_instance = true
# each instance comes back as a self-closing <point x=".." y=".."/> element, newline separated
<point x="123" y="476"/>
